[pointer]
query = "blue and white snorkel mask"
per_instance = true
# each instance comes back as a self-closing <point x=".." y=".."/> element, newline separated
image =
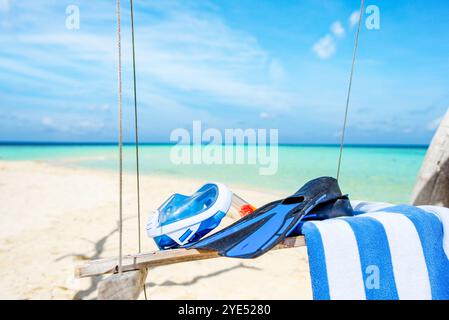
<point x="184" y="219"/>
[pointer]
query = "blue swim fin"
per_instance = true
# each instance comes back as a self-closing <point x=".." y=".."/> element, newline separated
<point x="263" y="229"/>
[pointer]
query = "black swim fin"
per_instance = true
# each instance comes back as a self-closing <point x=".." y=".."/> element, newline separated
<point x="263" y="229"/>
<point x="327" y="210"/>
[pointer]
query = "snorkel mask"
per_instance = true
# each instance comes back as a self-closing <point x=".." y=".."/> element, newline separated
<point x="184" y="219"/>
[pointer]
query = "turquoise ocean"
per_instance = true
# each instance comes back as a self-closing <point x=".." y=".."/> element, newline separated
<point x="382" y="173"/>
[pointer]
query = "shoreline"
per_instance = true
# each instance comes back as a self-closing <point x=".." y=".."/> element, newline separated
<point x="370" y="174"/>
<point x="54" y="216"/>
<point x="114" y="143"/>
<point x="195" y="182"/>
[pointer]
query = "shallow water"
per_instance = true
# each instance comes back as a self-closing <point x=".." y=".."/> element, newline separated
<point x="371" y="173"/>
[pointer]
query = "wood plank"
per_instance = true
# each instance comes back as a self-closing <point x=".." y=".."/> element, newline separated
<point x="432" y="184"/>
<point x="125" y="286"/>
<point x="159" y="258"/>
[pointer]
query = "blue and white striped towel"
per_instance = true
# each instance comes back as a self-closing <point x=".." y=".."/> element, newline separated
<point x="384" y="252"/>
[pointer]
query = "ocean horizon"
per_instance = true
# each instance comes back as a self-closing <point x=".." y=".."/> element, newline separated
<point x="131" y="143"/>
<point x="370" y="172"/>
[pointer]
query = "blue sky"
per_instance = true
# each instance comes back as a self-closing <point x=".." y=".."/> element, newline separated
<point x="232" y="64"/>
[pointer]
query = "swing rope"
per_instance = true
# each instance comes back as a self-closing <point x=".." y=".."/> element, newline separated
<point x="120" y="140"/>
<point x="136" y="130"/>
<point x="354" y="55"/>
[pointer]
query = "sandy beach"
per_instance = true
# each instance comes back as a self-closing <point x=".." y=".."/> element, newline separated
<point x="52" y="217"/>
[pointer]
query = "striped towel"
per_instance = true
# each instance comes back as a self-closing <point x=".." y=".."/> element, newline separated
<point x="384" y="252"/>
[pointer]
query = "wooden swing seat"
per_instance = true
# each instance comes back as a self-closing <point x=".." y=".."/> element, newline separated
<point x="147" y="260"/>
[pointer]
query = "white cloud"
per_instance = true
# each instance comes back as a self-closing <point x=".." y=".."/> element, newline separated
<point x="407" y="130"/>
<point x="51" y="125"/>
<point x="189" y="63"/>
<point x="434" y="124"/>
<point x="4" y="5"/>
<point x="337" y="29"/>
<point x="73" y="126"/>
<point x="87" y="125"/>
<point x="99" y="107"/>
<point x="202" y="54"/>
<point x="47" y="122"/>
<point x="325" y="47"/>
<point x="276" y="70"/>
<point x="264" y="115"/>
<point x="354" y="18"/>
<point x="184" y="52"/>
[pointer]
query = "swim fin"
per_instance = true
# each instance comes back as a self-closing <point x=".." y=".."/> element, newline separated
<point x="326" y="210"/>
<point x="263" y="229"/>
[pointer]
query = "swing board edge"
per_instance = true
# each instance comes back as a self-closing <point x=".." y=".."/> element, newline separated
<point x="159" y="258"/>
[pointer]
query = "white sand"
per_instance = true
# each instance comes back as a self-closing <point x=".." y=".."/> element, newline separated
<point x="52" y="216"/>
